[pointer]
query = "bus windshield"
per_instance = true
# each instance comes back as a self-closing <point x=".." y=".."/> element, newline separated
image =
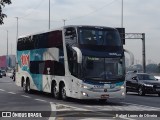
<point x="102" y="68"/>
<point x="99" y="36"/>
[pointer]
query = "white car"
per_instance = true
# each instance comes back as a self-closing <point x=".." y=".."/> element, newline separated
<point x="9" y="74"/>
<point x="157" y="77"/>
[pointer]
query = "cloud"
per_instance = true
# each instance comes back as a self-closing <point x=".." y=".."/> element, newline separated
<point x="139" y="16"/>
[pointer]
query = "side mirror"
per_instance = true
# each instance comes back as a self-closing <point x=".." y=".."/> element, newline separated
<point x="79" y="54"/>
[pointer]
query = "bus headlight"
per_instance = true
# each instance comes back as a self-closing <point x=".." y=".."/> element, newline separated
<point x="122" y="87"/>
<point x="123" y="94"/>
<point x="84" y="94"/>
<point x="82" y="86"/>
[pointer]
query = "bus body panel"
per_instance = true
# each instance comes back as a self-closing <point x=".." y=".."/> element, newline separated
<point x="43" y="66"/>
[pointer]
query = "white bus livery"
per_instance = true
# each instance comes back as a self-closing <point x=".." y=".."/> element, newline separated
<point x="82" y="62"/>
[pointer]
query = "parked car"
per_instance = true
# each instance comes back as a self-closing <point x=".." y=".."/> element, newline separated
<point x="0" y="73"/>
<point x="157" y="77"/>
<point x="142" y="83"/>
<point x="9" y="74"/>
<point x="3" y="73"/>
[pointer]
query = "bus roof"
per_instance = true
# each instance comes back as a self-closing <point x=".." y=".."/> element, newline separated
<point x="27" y="35"/>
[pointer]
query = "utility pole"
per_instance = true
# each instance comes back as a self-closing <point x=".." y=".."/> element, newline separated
<point x="142" y="37"/>
<point x="7" y="48"/>
<point x="143" y="52"/>
<point x="17" y="29"/>
<point x="49" y="14"/>
<point x="7" y="43"/>
<point x="11" y="48"/>
<point x="64" y="21"/>
<point x="122" y="16"/>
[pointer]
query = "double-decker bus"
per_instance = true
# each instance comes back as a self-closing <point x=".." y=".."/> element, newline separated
<point x="82" y="62"/>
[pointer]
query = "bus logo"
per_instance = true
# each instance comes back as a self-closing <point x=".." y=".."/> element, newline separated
<point x="25" y="60"/>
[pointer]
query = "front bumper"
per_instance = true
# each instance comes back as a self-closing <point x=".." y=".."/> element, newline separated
<point x="151" y="90"/>
<point x="89" y="94"/>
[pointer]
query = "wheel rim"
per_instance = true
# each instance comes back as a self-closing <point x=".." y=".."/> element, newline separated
<point x="55" y="91"/>
<point x="64" y="93"/>
<point x="24" y="86"/>
<point x="28" y="87"/>
<point x="140" y="91"/>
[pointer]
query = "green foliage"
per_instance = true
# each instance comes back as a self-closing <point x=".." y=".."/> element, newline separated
<point x="2" y="5"/>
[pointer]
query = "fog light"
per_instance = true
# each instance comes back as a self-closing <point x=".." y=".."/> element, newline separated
<point x="84" y="94"/>
<point x="122" y="87"/>
<point x="123" y="94"/>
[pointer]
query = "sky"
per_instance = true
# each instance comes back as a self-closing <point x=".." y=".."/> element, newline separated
<point x="139" y="16"/>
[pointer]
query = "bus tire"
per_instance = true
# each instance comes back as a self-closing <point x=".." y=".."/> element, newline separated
<point x="55" y="92"/>
<point x="24" y="85"/>
<point x="63" y="93"/>
<point x="28" y="89"/>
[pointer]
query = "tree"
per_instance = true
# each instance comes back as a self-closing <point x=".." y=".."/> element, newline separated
<point x="2" y="4"/>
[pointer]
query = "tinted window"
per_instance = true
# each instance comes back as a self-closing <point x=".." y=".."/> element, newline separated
<point x="95" y="36"/>
<point x="47" y="67"/>
<point x="45" y="40"/>
<point x="145" y="77"/>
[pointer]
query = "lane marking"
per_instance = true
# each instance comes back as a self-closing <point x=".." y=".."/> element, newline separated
<point x="40" y="100"/>
<point x="54" y="105"/>
<point x="2" y="90"/>
<point x="73" y="107"/>
<point x="12" y="93"/>
<point x="25" y="96"/>
<point x="141" y="105"/>
<point x="53" y="108"/>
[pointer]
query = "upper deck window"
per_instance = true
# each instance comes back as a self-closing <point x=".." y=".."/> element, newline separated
<point x="99" y="36"/>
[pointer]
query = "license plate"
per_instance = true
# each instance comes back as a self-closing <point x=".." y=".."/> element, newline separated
<point x="105" y="96"/>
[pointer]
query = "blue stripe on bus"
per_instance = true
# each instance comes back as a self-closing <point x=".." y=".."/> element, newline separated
<point x="102" y="84"/>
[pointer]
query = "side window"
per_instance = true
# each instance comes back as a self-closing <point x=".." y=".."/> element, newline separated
<point x="44" y="40"/>
<point x="47" y="67"/>
<point x="55" y="39"/>
<point x="70" y="35"/>
<point x="25" y="43"/>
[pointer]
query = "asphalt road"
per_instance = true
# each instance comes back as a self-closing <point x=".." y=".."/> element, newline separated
<point x="13" y="98"/>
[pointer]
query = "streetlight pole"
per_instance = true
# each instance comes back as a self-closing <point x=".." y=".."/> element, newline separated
<point x="64" y="21"/>
<point x="17" y="29"/>
<point x="7" y="49"/>
<point x="49" y="14"/>
<point x="7" y="43"/>
<point x="122" y="16"/>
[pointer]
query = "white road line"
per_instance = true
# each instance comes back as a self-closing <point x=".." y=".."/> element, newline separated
<point x="25" y="96"/>
<point x="2" y="90"/>
<point x="53" y="109"/>
<point x="40" y="100"/>
<point x="73" y="107"/>
<point x="156" y="108"/>
<point x="12" y="93"/>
